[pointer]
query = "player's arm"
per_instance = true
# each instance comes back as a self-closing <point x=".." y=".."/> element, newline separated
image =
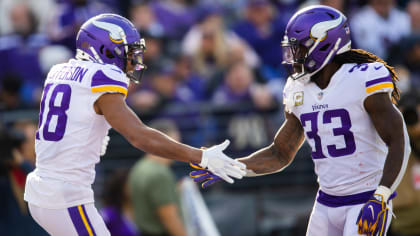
<point x="126" y="122"/>
<point x="171" y="220"/>
<point x="388" y="123"/>
<point x="280" y="153"/>
<point x="268" y="160"/>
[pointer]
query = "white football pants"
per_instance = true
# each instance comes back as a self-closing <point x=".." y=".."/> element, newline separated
<point x="81" y="220"/>
<point x="337" y="221"/>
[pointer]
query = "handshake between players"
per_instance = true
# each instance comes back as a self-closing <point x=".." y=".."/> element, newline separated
<point x="221" y="165"/>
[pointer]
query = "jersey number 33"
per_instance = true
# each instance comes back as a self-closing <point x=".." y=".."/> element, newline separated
<point x="344" y="131"/>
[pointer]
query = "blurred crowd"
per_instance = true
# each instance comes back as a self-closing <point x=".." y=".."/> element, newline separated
<point x="216" y="53"/>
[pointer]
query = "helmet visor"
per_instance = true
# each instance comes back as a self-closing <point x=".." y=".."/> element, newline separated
<point x="294" y="56"/>
<point x="287" y="55"/>
<point x="135" y="58"/>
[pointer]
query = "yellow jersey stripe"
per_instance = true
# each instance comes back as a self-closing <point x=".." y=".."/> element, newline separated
<point x="110" y="88"/>
<point x="379" y="86"/>
<point x="82" y="214"/>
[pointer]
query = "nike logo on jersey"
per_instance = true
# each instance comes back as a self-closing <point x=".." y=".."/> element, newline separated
<point x="373" y="212"/>
<point x="377" y="67"/>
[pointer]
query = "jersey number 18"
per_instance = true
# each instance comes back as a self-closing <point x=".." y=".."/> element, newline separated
<point x="58" y="104"/>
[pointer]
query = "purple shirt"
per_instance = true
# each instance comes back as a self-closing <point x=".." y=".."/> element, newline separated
<point x="117" y="224"/>
<point x="175" y="20"/>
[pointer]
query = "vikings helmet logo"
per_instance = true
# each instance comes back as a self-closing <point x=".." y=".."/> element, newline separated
<point x="115" y="31"/>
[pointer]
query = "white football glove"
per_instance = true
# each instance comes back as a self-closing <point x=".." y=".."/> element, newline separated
<point x="105" y="142"/>
<point x="221" y="165"/>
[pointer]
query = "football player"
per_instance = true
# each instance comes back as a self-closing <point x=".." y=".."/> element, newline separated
<point x="82" y="99"/>
<point x="342" y="101"/>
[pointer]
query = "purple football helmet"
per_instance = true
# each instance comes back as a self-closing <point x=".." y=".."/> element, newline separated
<point x="112" y="39"/>
<point x="322" y="31"/>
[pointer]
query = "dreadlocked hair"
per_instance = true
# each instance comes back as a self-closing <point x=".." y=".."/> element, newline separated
<point x="360" y="56"/>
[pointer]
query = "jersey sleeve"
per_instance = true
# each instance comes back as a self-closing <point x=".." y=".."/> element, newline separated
<point x="292" y="95"/>
<point x="109" y="80"/>
<point x="378" y="79"/>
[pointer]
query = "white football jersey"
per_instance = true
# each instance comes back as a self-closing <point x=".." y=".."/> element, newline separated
<point x="70" y="133"/>
<point x="347" y="151"/>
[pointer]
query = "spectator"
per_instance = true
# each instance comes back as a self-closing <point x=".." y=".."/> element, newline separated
<point x="144" y="19"/>
<point x="176" y="16"/>
<point x="236" y="87"/>
<point x="239" y="87"/>
<point x="173" y="92"/>
<point x="157" y="43"/>
<point x="264" y="31"/>
<point x="155" y="57"/>
<point x="161" y="88"/>
<point x="406" y="54"/>
<point x="191" y="85"/>
<point x="118" y="210"/>
<point x="154" y="195"/>
<point x="213" y="48"/>
<point x="19" y="51"/>
<point x="337" y="4"/>
<point x="70" y="16"/>
<point x="371" y="26"/>
<point x="16" y="161"/>
<point x="413" y="9"/>
<point x="43" y="11"/>
<point x="9" y="93"/>
<point x="144" y="101"/>
<point x="28" y="128"/>
<point x="244" y="97"/>
<point x="407" y="203"/>
<point x="156" y="92"/>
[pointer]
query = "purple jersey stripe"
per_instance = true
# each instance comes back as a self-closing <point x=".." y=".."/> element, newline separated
<point x="100" y="79"/>
<point x="77" y="221"/>
<point x="87" y="218"/>
<point x="377" y="81"/>
<point x="338" y="201"/>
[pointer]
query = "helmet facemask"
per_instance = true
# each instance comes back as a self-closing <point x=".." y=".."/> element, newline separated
<point x="134" y="55"/>
<point x="294" y="56"/>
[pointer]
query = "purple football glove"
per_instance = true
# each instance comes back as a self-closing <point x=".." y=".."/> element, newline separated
<point x="202" y="175"/>
<point x="373" y="217"/>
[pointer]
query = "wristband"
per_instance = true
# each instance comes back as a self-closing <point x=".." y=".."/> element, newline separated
<point x="382" y="192"/>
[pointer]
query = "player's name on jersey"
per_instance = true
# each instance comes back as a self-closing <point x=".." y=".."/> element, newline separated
<point x="68" y="73"/>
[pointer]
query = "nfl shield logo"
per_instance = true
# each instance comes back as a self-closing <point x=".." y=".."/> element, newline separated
<point x="320" y="94"/>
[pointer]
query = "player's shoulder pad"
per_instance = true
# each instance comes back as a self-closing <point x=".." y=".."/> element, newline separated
<point x="109" y="78"/>
<point x="378" y="78"/>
